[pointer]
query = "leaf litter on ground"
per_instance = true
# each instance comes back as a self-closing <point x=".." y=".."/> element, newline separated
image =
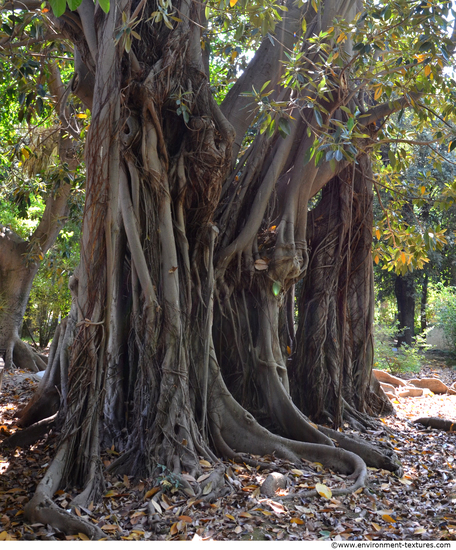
<point x="419" y="506"/>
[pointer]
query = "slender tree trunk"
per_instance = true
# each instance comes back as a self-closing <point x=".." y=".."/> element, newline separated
<point x="404" y="289"/>
<point x="424" y="302"/>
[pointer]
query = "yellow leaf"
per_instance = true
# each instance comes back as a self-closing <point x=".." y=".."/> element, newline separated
<point x="187" y="519"/>
<point x="388" y="518"/>
<point x="233" y="54"/>
<point x="4" y="535"/>
<point x="299" y="521"/>
<point x="377" y="233"/>
<point x="245" y="515"/>
<point x="423" y="189"/>
<point x="403" y="258"/>
<point x="81" y="115"/>
<point x="109" y="527"/>
<point x="378" y="92"/>
<point x="376" y="259"/>
<point x="151" y="493"/>
<point x="173" y="529"/>
<point x="297" y="472"/>
<point x="288" y="350"/>
<point x="376" y="526"/>
<point x="419" y="531"/>
<point x="229" y="516"/>
<point x="83" y="536"/>
<point x="233" y="2"/>
<point x="323" y="490"/>
<point x="427" y="70"/>
<point x="205" y="463"/>
<point x="342" y="36"/>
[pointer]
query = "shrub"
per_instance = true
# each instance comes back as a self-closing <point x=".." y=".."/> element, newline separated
<point x="387" y="356"/>
<point x="444" y="313"/>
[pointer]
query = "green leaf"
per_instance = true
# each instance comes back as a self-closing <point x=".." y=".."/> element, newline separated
<point x="308" y="155"/>
<point x="104" y="5"/>
<point x="58" y="7"/>
<point x="284" y="125"/>
<point x="276" y="288"/>
<point x="264" y="85"/>
<point x="74" y="4"/>
<point x="318" y="117"/>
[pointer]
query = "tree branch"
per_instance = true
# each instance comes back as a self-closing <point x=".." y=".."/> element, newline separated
<point x="385" y="109"/>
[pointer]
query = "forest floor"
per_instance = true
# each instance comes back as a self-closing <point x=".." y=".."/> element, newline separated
<point x="420" y="506"/>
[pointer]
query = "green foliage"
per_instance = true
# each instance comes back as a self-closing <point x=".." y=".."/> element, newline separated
<point x="59" y="6"/>
<point x="392" y="359"/>
<point x="169" y="481"/>
<point x="443" y="304"/>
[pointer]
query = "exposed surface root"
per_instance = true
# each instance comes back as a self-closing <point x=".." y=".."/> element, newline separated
<point x="373" y="456"/>
<point x="27" y="437"/>
<point x="242" y="433"/>
<point x="25" y="358"/>
<point x="41" y="508"/>
<point x="437" y="423"/>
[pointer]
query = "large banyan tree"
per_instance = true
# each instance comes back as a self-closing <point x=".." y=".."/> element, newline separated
<point x="202" y="217"/>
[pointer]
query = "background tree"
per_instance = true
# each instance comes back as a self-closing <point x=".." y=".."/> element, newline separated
<point x="38" y="168"/>
<point x="189" y="254"/>
<point x="414" y="235"/>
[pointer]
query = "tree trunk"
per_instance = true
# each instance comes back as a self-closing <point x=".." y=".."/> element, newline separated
<point x="187" y="268"/>
<point x="20" y="259"/>
<point x="333" y="358"/>
<point x="404" y="289"/>
<point x="424" y="302"/>
<point x="17" y="271"/>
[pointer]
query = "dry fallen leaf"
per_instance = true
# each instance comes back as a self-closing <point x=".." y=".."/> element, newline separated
<point x="323" y="490"/>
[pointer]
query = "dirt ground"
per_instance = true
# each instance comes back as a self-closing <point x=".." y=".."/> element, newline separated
<point x="419" y="506"/>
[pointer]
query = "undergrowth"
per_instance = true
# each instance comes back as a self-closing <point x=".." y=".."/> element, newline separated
<point x="396" y="360"/>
